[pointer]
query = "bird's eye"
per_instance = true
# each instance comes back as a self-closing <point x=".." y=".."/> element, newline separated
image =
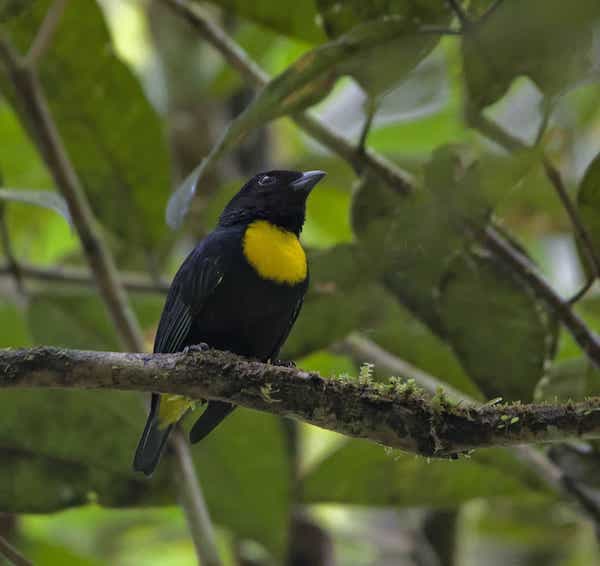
<point x="266" y="180"/>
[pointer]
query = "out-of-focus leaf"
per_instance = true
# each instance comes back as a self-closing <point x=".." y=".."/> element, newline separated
<point x="112" y="134"/>
<point x="379" y="68"/>
<point x="46" y="199"/>
<point x="298" y="19"/>
<point x="298" y="87"/>
<point x="574" y="379"/>
<point x="551" y="41"/>
<point x="501" y="332"/>
<point x="362" y="473"/>
<point x="64" y="448"/>
<point x="245" y="474"/>
<point x="79" y="319"/>
<point x="13" y="330"/>
<point x="588" y="204"/>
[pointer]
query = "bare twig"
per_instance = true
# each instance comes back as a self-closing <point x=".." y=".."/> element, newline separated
<point x="12" y="554"/>
<point x="12" y="265"/>
<point x="464" y="20"/>
<point x="193" y="503"/>
<point x="587" y="340"/>
<point x="44" y="36"/>
<point x="74" y="276"/>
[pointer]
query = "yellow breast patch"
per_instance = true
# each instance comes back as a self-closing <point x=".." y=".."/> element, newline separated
<point x="274" y="253"/>
<point x="172" y="408"/>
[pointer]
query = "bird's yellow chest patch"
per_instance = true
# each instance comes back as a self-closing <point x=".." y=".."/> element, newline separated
<point x="274" y="253"/>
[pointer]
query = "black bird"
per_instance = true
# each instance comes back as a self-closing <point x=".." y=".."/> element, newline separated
<point x="239" y="290"/>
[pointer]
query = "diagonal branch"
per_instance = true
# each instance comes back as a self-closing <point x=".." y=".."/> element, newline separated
<point x="396" y="415"/>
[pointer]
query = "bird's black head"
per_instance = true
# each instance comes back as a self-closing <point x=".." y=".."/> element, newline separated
<point x="276" y="196"/>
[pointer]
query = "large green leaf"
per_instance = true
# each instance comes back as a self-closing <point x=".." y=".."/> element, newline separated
<point x="65" y="448"/>
<point x="502" y="333"/>
<point x="379" y="68"/>
<point x="111" y="132"/>
<point x="550" y="41"/>
<point x="362" y="473"/>
<point x="298" y="19"/>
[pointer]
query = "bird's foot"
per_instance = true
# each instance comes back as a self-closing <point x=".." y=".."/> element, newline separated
<point x="202" y="347"/>
<point x="284" y="363"/>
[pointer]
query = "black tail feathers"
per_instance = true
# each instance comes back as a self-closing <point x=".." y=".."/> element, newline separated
<point x="212" y="416"/>
<point x="152" y="442"/>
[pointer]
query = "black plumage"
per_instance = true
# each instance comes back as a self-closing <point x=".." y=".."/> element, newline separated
<point x="219" y="298"/>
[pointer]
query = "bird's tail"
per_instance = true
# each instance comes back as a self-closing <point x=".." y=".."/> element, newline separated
<point x="152" y="442"/>
<point x="212" y="416"/>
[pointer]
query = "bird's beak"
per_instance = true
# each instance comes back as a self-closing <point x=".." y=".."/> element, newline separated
<point x="308" y="180"/>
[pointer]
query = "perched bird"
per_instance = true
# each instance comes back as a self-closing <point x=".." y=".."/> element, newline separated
<point x="239" y="290"/>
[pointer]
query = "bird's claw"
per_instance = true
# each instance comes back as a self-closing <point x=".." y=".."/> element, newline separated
<point x="201" y="347"/>
<point x="284" y="363"/>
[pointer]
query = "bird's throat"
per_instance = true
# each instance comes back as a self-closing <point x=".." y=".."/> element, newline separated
<point x="274" y="253"/>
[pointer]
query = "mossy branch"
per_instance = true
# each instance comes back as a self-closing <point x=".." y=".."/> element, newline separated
<point x="395" y="415"/>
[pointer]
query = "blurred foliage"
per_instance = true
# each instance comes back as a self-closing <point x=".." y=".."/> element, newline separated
<point x="404" y="270"/>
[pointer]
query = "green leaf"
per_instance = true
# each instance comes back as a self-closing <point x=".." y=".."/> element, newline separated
<point x="298" y="19"/>
<point x="575" y="379"/>
<point x="79" y="319"/>
<point x="65" y="448"/>
<point x="362" y="473"/>
<point x="550" y="41"/>
<point x="13" y="330"/>
<point x="46" y="199"/>
<point x="588" y="205"/>
<point x="112" y="135"/>
<point x="375" y="69"/>
<point x="503" y="335"/>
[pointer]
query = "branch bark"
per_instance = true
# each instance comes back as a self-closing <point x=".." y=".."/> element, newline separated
<point x="393" y="415"/>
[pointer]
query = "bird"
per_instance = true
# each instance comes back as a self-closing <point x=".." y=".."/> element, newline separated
<point x="239" y="290"/>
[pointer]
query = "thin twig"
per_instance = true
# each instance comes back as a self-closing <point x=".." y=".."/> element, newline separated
<point x="12" y="265"/>
<point x="581" y="232"/>
<point x="587" y="340"/>
<point x="12" y="554"/>
<point x="192" y="500"/>
<point x="74" y="276"/>
<point x="491" y="9"/>
<point x="464" y="20"/>
<point x="44" y="36"/>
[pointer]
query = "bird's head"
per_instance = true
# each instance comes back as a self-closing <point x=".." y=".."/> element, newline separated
<point x="276" y="196"/>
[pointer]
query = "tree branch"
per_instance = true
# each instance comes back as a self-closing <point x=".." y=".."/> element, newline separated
<point x="12" y="554"/>
<point x="74" y="276"/>
<point x="394" y="415"/>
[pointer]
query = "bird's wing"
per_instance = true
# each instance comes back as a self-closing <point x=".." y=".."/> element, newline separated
<point x="197" y="278"/>
<point x="288" y="327"/>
